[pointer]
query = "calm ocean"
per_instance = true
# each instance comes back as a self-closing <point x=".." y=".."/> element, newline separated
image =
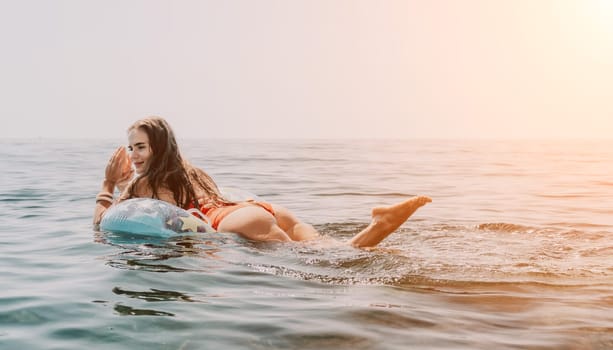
<point x="514" y="252"/>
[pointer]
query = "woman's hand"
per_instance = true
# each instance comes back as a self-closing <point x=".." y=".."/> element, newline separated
<point x="118" y="173"/>
<point x="119" y="169"/>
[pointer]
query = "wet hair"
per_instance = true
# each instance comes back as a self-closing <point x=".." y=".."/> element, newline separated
<point x="167" y="168"/>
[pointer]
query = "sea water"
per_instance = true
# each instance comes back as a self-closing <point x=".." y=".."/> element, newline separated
<point x="514" y="252"/>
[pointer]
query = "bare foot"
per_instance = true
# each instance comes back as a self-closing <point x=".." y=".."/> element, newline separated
<point x="386" y="220"/>
<point x="391" y="217"/>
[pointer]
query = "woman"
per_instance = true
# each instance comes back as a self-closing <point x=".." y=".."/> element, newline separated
<point x="163" y="174"/>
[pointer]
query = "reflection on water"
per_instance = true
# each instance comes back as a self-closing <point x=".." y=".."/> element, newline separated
<point x="129" y="311"/>
<point x="519" y="273"/>
<point x="154" y="295"/>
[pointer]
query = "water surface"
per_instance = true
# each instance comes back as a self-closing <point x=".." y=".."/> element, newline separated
<point x="515" y="251"/>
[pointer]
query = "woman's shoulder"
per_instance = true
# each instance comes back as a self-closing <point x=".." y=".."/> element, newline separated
<point x="141" y="188"/>
<point x="137" y="188"/>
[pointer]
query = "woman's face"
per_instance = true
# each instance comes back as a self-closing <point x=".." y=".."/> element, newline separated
<point x="140" y="150"/>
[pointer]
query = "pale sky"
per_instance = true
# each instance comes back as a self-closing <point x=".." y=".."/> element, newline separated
<point x="308" y="68"/>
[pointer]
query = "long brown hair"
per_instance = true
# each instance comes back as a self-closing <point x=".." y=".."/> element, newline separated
<point x="167" y="168"/>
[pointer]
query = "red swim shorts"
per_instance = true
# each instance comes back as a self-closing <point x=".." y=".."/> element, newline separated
<point x="216" y="215"/>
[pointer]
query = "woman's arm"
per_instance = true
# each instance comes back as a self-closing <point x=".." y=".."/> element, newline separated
<point x="102" y="203"/>
<point x="118" y="171"/>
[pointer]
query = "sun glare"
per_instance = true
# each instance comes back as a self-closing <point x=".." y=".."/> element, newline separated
<point x="588" y="25"/>
<point x="604" y="15"/>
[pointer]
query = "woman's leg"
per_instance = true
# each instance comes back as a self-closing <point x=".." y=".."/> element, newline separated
<point x="295" y="229"/>
<point x="253" y="222"/>
<point x="386" y="220"/>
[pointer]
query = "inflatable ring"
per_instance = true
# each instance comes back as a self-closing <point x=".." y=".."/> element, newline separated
<point x="151" y="217"/>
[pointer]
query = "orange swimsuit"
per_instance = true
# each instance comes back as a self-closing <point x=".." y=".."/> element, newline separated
<point x="217" y="214"/>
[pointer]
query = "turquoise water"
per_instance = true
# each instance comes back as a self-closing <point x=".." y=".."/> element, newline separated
<point x="515" y="252"/>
